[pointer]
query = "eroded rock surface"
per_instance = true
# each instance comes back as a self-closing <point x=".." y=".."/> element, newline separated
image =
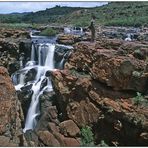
<point x="97" y="89"/>
<point x="11" y="42"/>
<point x="11" y="115"/>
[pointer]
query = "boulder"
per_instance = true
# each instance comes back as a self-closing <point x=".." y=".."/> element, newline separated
<point x="106" y="66"/>
<point x="48" y="139"/>
<point x="69" y="39"/>
<point x="71" y="142"/>
<point x="69" y="128"/>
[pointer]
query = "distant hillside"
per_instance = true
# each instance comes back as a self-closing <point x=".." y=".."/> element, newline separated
<point x="113" y="14"/>
<point x="11" y="18"/>
<point x="52" y="15"/>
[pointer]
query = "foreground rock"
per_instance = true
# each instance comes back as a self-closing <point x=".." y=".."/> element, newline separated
<point x="97" y="89"/>
<point x="11" y="114"/>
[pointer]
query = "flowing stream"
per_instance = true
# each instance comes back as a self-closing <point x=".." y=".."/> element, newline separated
<point x="33" y="74"/>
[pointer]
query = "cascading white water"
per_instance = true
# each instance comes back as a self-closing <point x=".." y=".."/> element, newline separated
<point x="33" y="53"/>
<point x="39" y="55"/>
<point x="42" y="60"/>
<point x="62" y="63"/>
<point x="33" y="112"/>
<point x="50" y="56"/>
<point x="45" y="60"/>
<point x="21" y="81"/>
<point x="81" y="30"/>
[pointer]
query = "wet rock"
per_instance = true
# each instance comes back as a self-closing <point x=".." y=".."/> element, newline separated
<point x="69" y="128"/>
<point x="13" y="66"/>
<point x="26" y="88"/>
<point x="25" y="98"/>
<point x="44" y="83"/>
<point x="46" y="100"/>
<point x="48" y="73"/>
<point x="30" y="75"/>
<point x="48" y="112"/>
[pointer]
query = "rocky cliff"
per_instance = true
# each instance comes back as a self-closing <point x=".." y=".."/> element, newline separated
<point x="104" y="85"/>
<point x="98" y="87"/>
<point x="11" y="115"/>
<point x="11" y="46"/>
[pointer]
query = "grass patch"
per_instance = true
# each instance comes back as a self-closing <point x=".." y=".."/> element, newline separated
<point x="15" y="25"/>
<point x="49" y="32"/>
<point x="19" y="25"/>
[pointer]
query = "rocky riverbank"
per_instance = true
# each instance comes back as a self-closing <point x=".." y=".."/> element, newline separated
<point x="103" y="85"/>
<point x="11" y="115"/>
<point x="97" y="89"/>
<point x="11" y="47"/>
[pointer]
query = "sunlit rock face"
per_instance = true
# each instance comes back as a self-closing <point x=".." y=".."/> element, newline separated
<point x="10" y="113"/>
<point x="96" y="88"/>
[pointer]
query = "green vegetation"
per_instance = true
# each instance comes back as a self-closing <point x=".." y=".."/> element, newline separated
<point x="87" y="138"/>
<point x="19" y="25"/>
<point x="138" y="99"/>
<point x="136" y="74"/>
<point x="48" y="32"/>
<point x="103" y="144"/>
<point x="113" y="14"/>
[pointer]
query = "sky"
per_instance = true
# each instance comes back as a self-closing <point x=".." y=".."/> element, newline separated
<point x="9" y="7"/>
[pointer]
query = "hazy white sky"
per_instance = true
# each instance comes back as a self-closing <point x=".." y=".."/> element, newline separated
<point x="9" y="7"/>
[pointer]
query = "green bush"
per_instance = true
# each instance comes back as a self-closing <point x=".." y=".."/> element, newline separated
<point x="87" y="138"/>
<point x="103" y="144"/>
<point x="49" y="32"/>
<point x="138" y="99"/>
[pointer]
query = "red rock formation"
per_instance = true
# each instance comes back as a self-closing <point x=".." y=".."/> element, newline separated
<point x="96" y="89"/>
<point x="10" y="114"/>
<point x="107" y="66"/>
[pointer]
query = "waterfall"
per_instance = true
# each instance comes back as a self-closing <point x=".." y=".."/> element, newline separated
<point x="39" y="55"/>
<point x="33" y="53"/>
<point x="33" y="111"/>
<point x="44" y="63"/>
<point x="46" y="54"/>
<point x="50" y="56"/>
<point x="62" y="63"/>
<point x="34" y="73"/>
<point x="81" y="30"/>
<point x="21" y="81"/>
